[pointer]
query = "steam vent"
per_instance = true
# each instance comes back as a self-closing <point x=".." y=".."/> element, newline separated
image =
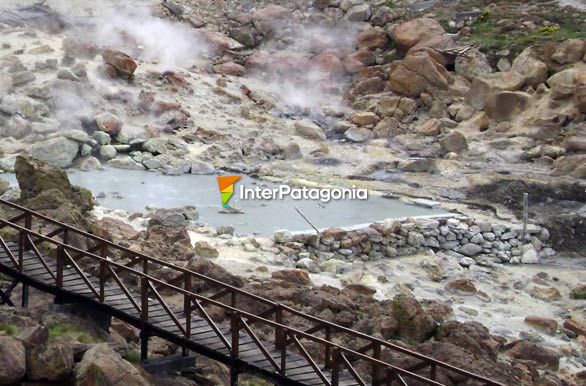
<point x="293" y="192"/>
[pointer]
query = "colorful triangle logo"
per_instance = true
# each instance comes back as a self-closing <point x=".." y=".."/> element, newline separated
<point x="226" y="185"/>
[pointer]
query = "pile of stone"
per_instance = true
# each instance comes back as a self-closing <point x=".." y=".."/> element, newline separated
<point x="480" y="241"/>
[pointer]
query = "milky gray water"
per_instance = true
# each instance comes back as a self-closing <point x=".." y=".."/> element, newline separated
<point x="133" y="190"/>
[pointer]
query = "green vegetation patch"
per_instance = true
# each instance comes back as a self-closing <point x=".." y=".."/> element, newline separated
<point x="9" y="329"/>
<point x="71" y="332"/>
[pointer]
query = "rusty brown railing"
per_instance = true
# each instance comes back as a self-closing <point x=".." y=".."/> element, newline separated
<point x="316" y="342"/>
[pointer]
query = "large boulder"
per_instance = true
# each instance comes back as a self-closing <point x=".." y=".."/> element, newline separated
<point x="527" y="350"/>
<point x="531" y="67"/>
<point x="414" y="323"/>
<point x="473" y="64"/>
<point x="506" y="105"/>
<point x="576" y="139"/>
<point x="417" y="73"/>
<point x="102" y="366"/>
<point x="119" y="63"/>
<point x="569" y="51"/>
<point x="309" y="130"/>
<point x="410" y="33"/>
<point x="12" y="360"/>
<point x="562" y="84"/>
<point x="580" y="92"/>
<point x="53" y="362"/>
<point x="454" y="142"/>
<point x="46" y="188"/>
<point x="59" y="152"/>
<point x="472" y="336"/>
<point x="573" y="165"/>
<point x="25" y="106"/>
<point x="483" y="87"/>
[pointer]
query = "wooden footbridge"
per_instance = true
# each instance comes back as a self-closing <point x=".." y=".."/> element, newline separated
<point x="248" y="333"/>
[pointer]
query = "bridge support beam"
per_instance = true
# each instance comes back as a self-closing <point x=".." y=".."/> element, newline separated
<point x="144" y="346"/>
<point x="234" y="376"/>
<point x="24" y="302"/>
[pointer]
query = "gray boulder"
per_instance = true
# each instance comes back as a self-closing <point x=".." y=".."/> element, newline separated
<point x="58" y="152"/>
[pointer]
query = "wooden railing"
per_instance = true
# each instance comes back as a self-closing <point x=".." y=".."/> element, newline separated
<point x="316" y="342"/>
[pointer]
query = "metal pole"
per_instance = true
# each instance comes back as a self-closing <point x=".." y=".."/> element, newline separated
<point x="525" y="213"/>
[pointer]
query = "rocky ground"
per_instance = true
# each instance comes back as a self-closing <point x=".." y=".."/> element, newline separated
<point x="467" y="103"/>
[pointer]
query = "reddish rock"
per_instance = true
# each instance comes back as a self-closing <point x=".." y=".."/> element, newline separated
<point x="542" y="356"/>
<point x="114" y="229"/>
<point x="124" y="64"/>
<point x="222" y="42"/>
<point x="109" y="123"/>
<point x="359" y="59"/>
<point x="575" y="326"/>
<point x="414" y="31"/>
<point x="418" y="73"/>
<point x="386" y="326"/>
<point x="548" y="325"/>
<point x="328" y="63"/>
<point x="270" y="12"/>
<point x="176" y="79"/>
<point x="294" y="276"/>
<point x="463" y="285"/>
<point x="368" y="86"/>
<point x="76" y="47"/>
<point x="373" y="38"/>
<point x="230" y="68"/>
<point x="472" y="336"/>
<point x="158" y="108"/>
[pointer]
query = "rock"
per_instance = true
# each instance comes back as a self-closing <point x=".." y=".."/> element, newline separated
<point x="365" y="119"/>
<point x="125" y="162"/>
<point x="358" y="134"/>
<point x="328" y="64"/>
<point x="472" y="336"/>
<point x="418" y="165"/>
<point x="308" y="265"/>
<point x="569" y="51"/>
<point x="360" y="12"/>
<point x="123" y="64"/>
<point x="230" y="68"/>
<point x="386" y="326"/>
<point x="473" y="64"/>
<point x="431" y="127"/>
<point x="548" y="325"/>
<point x="89" y="163"/>
<point x="293" y="276"/>
<point x="208" y="268"/>
<point x="243" y="36"/>
<point x="108" y="152"/>
<point x="25" y="106"/>
<point x="506" y="105"/>
<point x="53" y="362"/>
<point x="462" y="285"/>
<point x="109" y="123"/>
<point x="101" y="365"/>
<point x="530" y="67"/>
<point x="66" y="74"/>
<point x="102" y="138"/>
<point x="16" y="127"/>
<point x="78" y="48"/>
<point x="222" y="42"/>
<point x="580" y="93"/>
<point x="543" y="357"/>
<point x="530" y="255"/>
<point x="418" y="73"/>
<point x="414" y="323"/>
<point x="22" y="77"/>
<point x="12" y="360"/>
<point x="354" y="62"/>
<point x="205" y="250"/>
<point x="483" y="87"/>
<point x="271" y="12"/>
<point x="292" y="151"/>
<point x="562" y="84"/>
<point x="202" y="168"/>
<point x="578" y="292"/>
<point x="309" y="130"/>
<point x="545" y="293"/>
<point x="575" y="326"/>
<point x="454" y="142"/>
<point x="373" y="38"/>
<point x="408" y="34"/>
<point x="224" y="230"/>
<point x="113" y="229"/>
<point x="59" y="152"/>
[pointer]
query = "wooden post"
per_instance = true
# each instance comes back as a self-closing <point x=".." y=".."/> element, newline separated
<point x="525" y="213"/>
<point x="335" y="368"/>
<point x="24" y="296"/>
<point x="284" y="352"/>
<point x="102" y="281"/>
<point x="60" y="266"/>
<point x="376" y="354"/>
<point x="234" y="329"/>
<point x="187" y="310"/>
<point x="144" y="346"/>
<point x="328" y="348"/>
<point x="278" y="329"/>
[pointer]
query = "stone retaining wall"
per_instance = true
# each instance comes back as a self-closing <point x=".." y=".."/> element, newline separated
<point x="480" y="241"/>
